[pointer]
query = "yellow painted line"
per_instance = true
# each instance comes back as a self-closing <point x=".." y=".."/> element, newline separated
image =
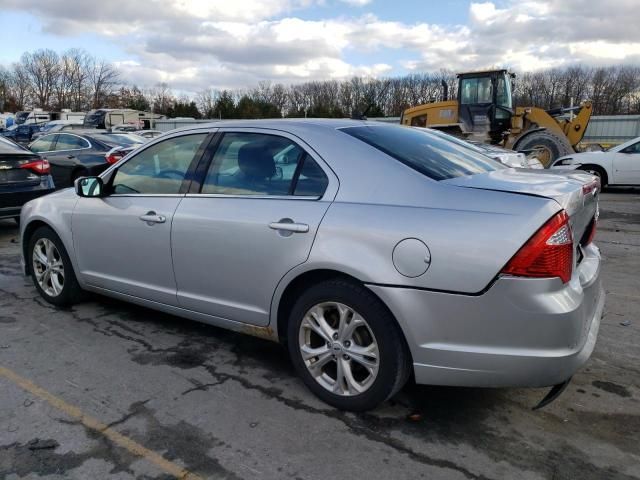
<point x="96" y="425"/>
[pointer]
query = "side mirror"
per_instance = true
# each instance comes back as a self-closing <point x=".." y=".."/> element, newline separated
<point x="89" y="187"/>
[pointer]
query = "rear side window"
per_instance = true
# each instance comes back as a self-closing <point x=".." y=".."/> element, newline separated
<point x="71" y="142"/>
<point x="260" y="164"/>
<point x="43" y="144"/>
<point x="431" y="155"/>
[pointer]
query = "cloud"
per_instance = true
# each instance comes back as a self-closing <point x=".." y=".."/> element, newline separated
<point x="195" y="44"/>
<point x="357" y="3"/>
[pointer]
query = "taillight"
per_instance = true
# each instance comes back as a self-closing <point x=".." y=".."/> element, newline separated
<point x="549" y="253"/>
<point x="40" y="166"/>
<point x="113" y="157"/>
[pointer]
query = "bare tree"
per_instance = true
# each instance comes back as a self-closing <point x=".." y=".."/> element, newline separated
<point x="103" y="78"/>
<point x="42" y="68"/>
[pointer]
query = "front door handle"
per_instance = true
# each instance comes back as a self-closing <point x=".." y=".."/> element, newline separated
<point x="289" y="226"/>
<point x="152" y="217"/>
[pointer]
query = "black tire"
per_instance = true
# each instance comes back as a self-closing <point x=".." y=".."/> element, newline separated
<point x="71" y="292"/>
<point x="555" y="145"/>
<point x="598" y="172"/>
<point x="394" y="357"/>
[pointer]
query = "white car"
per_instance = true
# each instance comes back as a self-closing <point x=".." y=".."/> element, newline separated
<point x="619" y="165"/>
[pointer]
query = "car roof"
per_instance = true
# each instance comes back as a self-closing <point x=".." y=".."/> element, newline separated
<point x="286" y="123"/>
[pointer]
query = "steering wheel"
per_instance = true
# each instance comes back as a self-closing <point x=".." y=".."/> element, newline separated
<point x="170" y="173"/>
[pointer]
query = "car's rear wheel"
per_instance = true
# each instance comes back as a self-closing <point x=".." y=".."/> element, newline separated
<point x="346" y="345"/>
<point x="51" y="269"/>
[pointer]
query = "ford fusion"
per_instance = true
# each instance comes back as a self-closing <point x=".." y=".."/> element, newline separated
<point x="372" y="251"/>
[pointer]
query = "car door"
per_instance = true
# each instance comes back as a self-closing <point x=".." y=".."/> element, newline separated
<point x="626" y="165"/>
<point x="250" y="219"/>
<point x="64" y="157"/>
<point x="122" y="240"/>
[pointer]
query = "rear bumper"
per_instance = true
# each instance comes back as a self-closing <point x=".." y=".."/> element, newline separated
<point x="521" y="332"/>
<point x="11" y="201"/>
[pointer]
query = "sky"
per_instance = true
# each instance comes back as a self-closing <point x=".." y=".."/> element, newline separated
<point x="198" y="44"/>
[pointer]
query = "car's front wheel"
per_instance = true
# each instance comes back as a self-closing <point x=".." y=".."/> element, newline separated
<point x="346" y="345"/>
<point x="51" y="269"/>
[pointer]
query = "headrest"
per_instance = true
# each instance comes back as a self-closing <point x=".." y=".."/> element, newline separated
<point x="256" y="161"/>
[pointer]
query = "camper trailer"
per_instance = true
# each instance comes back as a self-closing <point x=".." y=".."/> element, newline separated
<point x="108" y="118"/>
<point x="39" y="116"/>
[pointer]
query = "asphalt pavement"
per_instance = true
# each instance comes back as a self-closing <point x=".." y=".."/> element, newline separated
<point x="107" y="390"/>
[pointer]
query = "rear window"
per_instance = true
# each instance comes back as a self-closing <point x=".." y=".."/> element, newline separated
<point x="7" y="146"/>
<point x="431" y="155"/>
<point x="121" y="139"/>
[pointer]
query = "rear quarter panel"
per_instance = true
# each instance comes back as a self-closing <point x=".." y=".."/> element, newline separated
<point x="471" y="235"/>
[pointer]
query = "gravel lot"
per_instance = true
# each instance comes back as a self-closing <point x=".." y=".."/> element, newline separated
<point x="109" y="390"/>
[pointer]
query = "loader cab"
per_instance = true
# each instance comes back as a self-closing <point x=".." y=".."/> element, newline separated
<point x="485" y="104"/>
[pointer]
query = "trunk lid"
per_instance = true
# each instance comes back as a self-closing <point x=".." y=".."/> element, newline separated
<point x="575" y="191"/>
<point x="13" y="175"/>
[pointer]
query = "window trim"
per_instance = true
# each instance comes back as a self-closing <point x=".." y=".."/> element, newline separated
<point x="109" y="175"/>
<point x="205" y="164"/>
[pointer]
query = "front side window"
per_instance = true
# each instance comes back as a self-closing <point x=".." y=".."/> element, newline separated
<point x="259" y="164"/>
<point x="432" y="155"/>
<point x="159" y="169"/>
<point x="71" y="142"/>
<point x="43" y="144"/>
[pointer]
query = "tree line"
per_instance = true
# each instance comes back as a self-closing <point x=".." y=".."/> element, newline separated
<point x="79" y="81"/>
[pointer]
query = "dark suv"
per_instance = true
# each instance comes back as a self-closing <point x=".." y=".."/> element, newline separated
<point x="24" y="176"/>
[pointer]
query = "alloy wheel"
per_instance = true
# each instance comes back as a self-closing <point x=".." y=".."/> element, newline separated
<point x="48" y="267"/>
<point x="339" y="348"/>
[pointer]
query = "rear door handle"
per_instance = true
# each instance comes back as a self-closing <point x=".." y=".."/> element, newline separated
<point x="152" y="217"/>
<point x="289" y="227"/>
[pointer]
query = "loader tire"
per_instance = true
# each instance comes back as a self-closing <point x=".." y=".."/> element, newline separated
<point x="547" y="146"/>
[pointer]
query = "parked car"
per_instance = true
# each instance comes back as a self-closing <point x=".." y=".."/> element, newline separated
<point x="149" y="134"/>
<point x="126" y="127"/>
<point x="372" y="251"/>
<point x="57" y="126"/>
<point x="81" y="153"/>
<point x="509" y="158"/>
<point x="23" y="177"/>
<point x="504" y="156"/>
<point x="619" y="165"/>
<point x="22" y="134"/>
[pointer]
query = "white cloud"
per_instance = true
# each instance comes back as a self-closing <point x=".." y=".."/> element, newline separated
<point x="193" y="44"/>
<point x="357" y="3"/>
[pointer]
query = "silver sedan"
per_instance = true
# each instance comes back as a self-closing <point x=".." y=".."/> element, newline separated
<point x="371" y="251"/>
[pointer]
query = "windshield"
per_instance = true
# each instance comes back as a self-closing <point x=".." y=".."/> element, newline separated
<point x="21" y="117"/>
<point x="120" y="139"/>
<point x="95" y="119"/>
<point x="432" y="155"/>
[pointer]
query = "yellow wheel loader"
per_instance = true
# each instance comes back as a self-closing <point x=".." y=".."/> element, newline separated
<point x="484" y="112"/>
